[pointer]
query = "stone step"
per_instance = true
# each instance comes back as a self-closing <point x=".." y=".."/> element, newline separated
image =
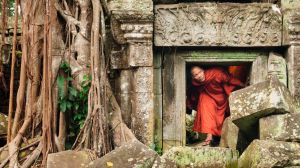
<point x="70" y="159"/>
<point x="202" y="157"/>
<point x="133" y="154"/>
<point x="250" y="104"/>
<point x="285" y="127"/>
<point x="270" y="153"/>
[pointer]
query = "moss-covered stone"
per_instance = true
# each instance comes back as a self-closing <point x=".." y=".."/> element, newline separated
<point x="270" y="153"/>
<point x="259" y="100"/>
<point x="70" y="159"/>
<point x="203" y="157"/>
<point x="280" y="127"/>
<point x="130" y="155"/>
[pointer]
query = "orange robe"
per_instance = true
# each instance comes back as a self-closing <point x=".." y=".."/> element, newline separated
<point x="210" y="99"/>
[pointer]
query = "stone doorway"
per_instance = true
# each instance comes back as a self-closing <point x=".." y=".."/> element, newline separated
<point x="170" y="78"/>
<point x="240" y="71"/>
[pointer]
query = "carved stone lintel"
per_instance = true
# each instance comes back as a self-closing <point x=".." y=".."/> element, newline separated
<point x="214" y="24"/>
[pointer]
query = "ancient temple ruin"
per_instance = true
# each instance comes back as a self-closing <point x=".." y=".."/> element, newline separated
<point x="154" y="42"/>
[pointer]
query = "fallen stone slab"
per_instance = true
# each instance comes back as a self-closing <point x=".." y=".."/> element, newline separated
<point x="285" y="127"/>
<point x="232" y="137"/>
<point x="70" y="159"/>
<point x="202" y="157"/>
<point x="133" y="154"/>
<point x="250" y="104"/>
<point x="270" y="153"/>
<point x="3" y="124"/>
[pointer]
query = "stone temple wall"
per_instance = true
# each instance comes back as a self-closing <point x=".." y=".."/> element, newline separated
<point x="139" y="26"/>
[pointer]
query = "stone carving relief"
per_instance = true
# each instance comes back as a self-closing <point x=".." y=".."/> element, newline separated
<point x="294" y="28"/>
<point x="211" y="24"/>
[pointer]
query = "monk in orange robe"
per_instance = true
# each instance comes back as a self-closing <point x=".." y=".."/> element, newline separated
<point x="209" y="98"/>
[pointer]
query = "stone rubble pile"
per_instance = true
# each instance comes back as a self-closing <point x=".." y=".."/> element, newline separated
<point x="265" y="115"/>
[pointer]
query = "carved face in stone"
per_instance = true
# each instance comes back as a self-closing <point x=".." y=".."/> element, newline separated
<point x="198" y="74"/>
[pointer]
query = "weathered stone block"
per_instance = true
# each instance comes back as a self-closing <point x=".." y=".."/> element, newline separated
<point x="259" y="70"/>
<point x="270" y="153"/>
<point x="164" y="163"/>
<point x="212" y="24"/>
<point x="259" y="100"/>
<point x="233" y="138"/>
<point x="293" y="65"/>
<point x="277" y="67"/>
<point x="143" y="79"/>
<point x="133" y="154"/>
<point x="70" y="159"/>
<point x="290" y="4"/>
<point x="140" y="54"/>
<point x="3" y="124"/>
<point x="284" y="127"/>
<point x="203" y="157"/>
<point x="291" y="26"/>
<point x="142" y="122"/>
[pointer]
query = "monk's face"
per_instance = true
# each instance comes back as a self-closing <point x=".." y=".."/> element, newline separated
<point x="198" y="74"/>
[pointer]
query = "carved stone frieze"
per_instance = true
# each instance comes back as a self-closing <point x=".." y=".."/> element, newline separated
<point x="213" y="24"/>
<point x="130" y="27"/>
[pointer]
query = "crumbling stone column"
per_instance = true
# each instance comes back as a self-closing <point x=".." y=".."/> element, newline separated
<point x="132" y="30"/>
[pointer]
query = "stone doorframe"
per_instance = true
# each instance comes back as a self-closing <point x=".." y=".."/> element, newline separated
<point x="174" y="85"/>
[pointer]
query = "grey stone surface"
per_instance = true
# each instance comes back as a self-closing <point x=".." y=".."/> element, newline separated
<point x="259" y="100"/>
<point x="143" y="79"/>
<point x="277" y="67"/>
<point x="232" y="137"/>
<point x="70" y="159"/>
<point x="270" y="153"/>
<point x="3" y="124"/>
<point x="218" y="24"/>
<point x="291" y="26"/>
<point x="202" y="157"/>
<point x="284" y="127"/>
<point x="289" y="4"/>
<point x="293" y="65"/>
<point x="164" y="163"/>
<point x="143" y="117"/>
<point x="259" y="69"/>
<point x="130" y="155"/>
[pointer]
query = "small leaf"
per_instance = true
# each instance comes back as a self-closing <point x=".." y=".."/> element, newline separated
<point x="76" y="106"/>
<point x="61" y="86"/>
<point x="109" y="164"/>
<point x="73" y="91"/>
<point x="69" y="105"/>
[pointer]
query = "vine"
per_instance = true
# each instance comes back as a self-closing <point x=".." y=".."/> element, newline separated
<point x="72" y="101"/>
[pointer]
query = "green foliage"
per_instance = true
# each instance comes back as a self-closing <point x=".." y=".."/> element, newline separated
<point x="156" y="146"/>
<point x="73" y="101"/>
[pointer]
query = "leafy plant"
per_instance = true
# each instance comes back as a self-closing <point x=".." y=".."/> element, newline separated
<point x="73" y="101"/>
